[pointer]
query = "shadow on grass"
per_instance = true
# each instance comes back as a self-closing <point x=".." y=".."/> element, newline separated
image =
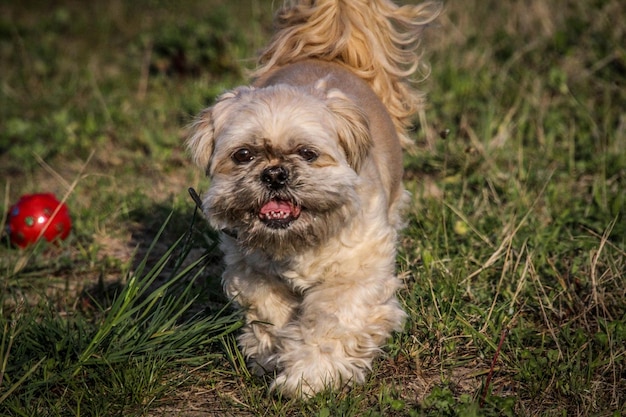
<point x="180" y="239"/>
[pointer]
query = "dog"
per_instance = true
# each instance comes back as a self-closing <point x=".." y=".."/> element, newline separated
<point x="305" y="168"/>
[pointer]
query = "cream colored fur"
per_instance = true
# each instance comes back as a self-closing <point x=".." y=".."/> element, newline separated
<point x="306" y="186"/>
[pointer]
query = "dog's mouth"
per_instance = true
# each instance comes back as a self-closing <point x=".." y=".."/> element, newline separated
<point x="279" y="214"/>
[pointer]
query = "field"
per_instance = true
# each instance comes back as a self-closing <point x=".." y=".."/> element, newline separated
<point x="513" y="260"/>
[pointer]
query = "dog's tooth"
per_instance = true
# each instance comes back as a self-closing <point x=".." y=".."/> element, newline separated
<point x="277" y="215"/>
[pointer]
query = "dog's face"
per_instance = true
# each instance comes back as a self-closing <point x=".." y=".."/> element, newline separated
<point x="284" y="165"/>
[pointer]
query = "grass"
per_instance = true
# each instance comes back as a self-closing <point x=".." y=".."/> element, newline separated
<point x="513" y="258"/>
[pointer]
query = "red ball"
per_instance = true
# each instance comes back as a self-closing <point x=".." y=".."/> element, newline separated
<point x="32" y="217"/>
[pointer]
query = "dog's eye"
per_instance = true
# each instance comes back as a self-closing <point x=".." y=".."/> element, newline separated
<point x="308" y="154"/>
<point x="243" y="155"/>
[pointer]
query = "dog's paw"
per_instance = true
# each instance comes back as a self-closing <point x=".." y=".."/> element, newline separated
<point x="299" y="386"/>
<point x="312" y="369"/>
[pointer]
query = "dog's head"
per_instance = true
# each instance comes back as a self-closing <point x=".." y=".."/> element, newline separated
<point x="283" y="163"/>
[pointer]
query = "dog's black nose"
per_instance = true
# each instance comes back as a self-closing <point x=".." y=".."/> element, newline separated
<point x="275" y="177"/>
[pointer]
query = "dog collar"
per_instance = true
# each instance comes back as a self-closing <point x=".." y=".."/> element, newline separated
<point x="230" y="232"/>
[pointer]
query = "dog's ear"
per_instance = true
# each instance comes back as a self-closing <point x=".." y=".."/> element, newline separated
<point x="205" y="127"/>
<point x="200" y="140"/>
<point x="352" y="127"/>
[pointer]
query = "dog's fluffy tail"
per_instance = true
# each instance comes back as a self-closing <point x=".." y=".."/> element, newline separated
<point x="376" y="39"/>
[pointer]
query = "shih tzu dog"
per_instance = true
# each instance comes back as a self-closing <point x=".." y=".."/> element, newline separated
<point x="306" y="188"/>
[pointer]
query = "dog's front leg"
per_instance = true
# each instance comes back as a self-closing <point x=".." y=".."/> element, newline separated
<point x="268" y="304"/>
<point x="338" y="332"/>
